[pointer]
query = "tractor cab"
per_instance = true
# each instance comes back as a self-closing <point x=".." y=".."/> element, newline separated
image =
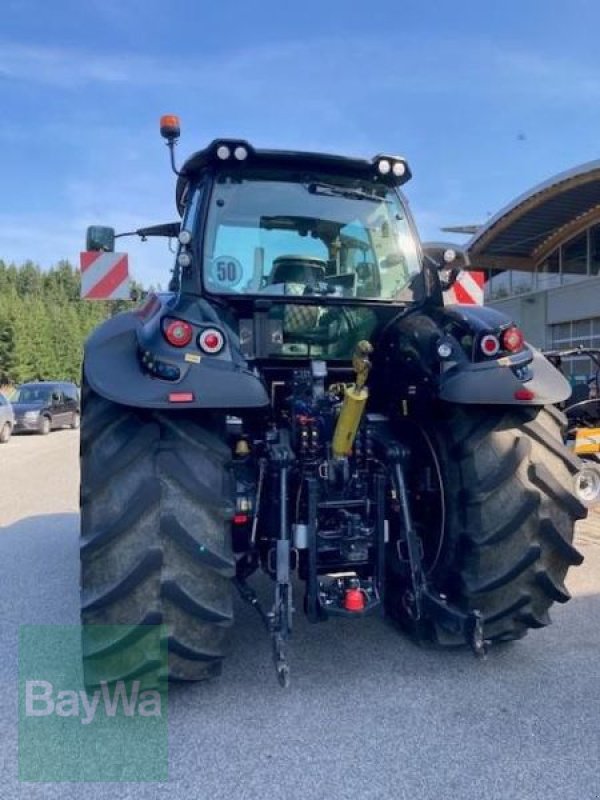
<point x="313" y="244"/>
<point x="291" y="224"/>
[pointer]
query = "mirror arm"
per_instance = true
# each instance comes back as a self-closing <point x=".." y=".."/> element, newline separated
<point x="431" y="261"/>
<point x="127" y="233"/>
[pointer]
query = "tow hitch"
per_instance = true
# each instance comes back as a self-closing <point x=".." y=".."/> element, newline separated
<point x="276" y="624"/>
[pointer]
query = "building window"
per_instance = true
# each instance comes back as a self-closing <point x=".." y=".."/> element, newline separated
<point x="522" y="282"/>
<point x="595" y="250"/>
<point x="498" y="285"/>
<point x="574" y="262"/>
<point x="571" y="262"/>
<point x="582" y="333"/>
<point x="570" y="335"/>
<point x="548" y="273"/>
<point x="561" y="335"/>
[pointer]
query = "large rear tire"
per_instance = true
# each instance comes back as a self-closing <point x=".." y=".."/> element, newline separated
<point x="155" y="540"/>
<point x="510" y="514"/>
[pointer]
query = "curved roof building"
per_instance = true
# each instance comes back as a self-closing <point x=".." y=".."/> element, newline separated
<point x="541" y="254"/>
<point x="524" y="233"/>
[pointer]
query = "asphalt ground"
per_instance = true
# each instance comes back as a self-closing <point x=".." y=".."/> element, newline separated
<point x="368" y="714"/>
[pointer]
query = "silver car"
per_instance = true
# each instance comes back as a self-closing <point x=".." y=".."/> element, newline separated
<point x="7" y="419"/>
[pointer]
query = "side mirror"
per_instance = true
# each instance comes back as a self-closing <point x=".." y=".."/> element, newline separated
<point x="448" y="259"/>
<point x="55" y="398"/>
<point x="100" y="238"/>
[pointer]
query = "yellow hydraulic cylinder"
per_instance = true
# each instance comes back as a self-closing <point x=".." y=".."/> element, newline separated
<point x="355" y="400"/>
<point x="349" y="419"/>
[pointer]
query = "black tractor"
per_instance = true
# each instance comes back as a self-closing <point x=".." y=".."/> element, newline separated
<point x="301" y="402"/>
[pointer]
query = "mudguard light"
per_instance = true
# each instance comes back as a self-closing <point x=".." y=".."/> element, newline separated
<point x="178" y="333"/>
<point x="513" y="339"/>
<point x="211" y="341"/>
<point x="490" y="345"/>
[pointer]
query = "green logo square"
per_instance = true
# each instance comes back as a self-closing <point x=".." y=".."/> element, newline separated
<point x="109" y="724"/>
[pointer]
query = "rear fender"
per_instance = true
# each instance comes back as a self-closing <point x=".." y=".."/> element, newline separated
<point x="524" y="378"/>
<point x="115" y="352"/>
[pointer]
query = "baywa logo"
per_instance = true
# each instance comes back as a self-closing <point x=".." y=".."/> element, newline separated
<point x="42" y="700"/>
<point x="108" y="723"/>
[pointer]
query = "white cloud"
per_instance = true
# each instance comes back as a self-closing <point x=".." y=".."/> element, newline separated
<point x="330" y="69"/>
<point x="69" y="68"/>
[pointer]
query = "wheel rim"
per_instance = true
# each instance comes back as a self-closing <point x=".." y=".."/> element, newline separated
<point x="587" y="485"/>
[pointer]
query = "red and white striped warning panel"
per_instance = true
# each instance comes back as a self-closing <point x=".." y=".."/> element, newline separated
<point x="104" y="276"/>
<point x="468" y="289"/>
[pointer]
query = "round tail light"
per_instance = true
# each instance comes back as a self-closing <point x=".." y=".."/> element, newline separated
<point x="513" y="339"/>
<point x="211" y="341"/>
<point x="178" y="333"/>
<point x="490" y="345"/>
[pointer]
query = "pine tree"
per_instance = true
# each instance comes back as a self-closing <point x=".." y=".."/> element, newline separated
<point x="44" y="324"/>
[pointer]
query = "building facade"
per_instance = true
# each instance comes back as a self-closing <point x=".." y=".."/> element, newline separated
<point x="541" y="256"/>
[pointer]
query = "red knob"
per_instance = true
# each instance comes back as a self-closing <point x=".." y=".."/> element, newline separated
<point x="354" y="600"/>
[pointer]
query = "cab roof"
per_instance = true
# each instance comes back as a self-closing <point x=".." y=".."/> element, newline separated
<point x="286" y="161"/>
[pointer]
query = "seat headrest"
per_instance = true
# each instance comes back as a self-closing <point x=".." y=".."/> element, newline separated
<point x="298" y="269"/>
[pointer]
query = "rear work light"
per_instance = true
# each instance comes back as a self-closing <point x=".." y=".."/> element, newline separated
<point x="178" y="333"/>
<point x="490" y="345"/>
<point x="513" y="339"/>
<point x="390" y="166"/>
<point x="211" y="341"/>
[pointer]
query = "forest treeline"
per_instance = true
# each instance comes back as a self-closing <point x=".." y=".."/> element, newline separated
<point x="43" y="322"/>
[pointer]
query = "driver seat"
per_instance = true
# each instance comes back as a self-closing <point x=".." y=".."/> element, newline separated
<point x="296" y="273"/>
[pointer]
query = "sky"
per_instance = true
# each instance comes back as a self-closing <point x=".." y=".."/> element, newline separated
<point x="484" y="99"/>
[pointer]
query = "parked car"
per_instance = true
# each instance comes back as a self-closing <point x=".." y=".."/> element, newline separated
<point x="45" y="405"/>
<point x="7" y="419"/>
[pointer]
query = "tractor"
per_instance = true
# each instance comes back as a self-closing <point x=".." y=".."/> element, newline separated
<point x="301" y="403"/>
<point x="582" y="411"/>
